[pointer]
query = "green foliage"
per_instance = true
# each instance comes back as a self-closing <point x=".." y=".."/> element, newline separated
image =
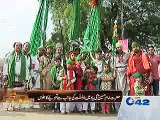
<point x="142" y="21"/>
<point x="141" y="18"/>
<point x="62" y="10"/>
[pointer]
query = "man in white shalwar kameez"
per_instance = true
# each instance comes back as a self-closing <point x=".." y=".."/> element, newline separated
<point x="36" y="60"/>
<point x="17" y="70"/>
<point x="29" y="68"/>
<point x="120" y="67"/>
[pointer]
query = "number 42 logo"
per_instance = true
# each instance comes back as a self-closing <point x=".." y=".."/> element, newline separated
<point x="130" y="101"/>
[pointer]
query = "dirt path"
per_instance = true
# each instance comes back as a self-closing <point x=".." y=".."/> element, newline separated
<point x="48" y="115"/>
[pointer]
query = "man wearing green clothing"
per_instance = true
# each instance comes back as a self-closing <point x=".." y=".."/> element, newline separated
<point x="15" y="68"/>
<point x="55" y="72"/>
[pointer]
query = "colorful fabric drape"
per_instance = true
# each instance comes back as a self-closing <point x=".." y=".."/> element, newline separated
<point x="75" y="27"/>
<point x="39" y="28"/>
<point x="92" y="33"/>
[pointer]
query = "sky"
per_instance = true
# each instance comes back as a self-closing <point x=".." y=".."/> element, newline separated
<point x="16" y="22"/>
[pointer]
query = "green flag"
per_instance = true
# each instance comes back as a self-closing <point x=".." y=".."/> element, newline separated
<point x="75" y="27"/>
<point x="115" y="35"/>
<point x="92" y="33"/>
<point x="39" y="28"/>
<point x="114" y="44"/>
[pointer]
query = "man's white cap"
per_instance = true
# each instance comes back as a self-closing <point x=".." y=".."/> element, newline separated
<point x="59" y="45"/>
<point x="118" y="44"/>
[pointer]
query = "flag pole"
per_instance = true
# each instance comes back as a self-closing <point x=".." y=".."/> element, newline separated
<point x="115" y="35"/>
<point x="42" y="31"/>
<point x="64" y="57"/>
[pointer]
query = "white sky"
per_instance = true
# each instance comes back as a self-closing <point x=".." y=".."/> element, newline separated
<point x="16" y="22"/>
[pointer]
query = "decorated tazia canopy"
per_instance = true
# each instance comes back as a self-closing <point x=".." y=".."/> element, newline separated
<point x="92" y="33"/>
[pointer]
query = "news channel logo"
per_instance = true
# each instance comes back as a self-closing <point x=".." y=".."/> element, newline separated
<point x="137" y="101"/>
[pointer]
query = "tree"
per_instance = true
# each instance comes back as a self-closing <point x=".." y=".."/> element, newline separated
<point x="61" y="11"/>
<point x="141" y="20"/>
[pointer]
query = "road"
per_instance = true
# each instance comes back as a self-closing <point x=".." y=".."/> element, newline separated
<point x="48" y="115"/>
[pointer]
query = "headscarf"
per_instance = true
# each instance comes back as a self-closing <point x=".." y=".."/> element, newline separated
<point x="70" y="55"/>
<point x="135" y="45"/>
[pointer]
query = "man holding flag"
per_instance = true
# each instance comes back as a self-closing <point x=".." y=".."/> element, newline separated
<point x="139" y="62"/>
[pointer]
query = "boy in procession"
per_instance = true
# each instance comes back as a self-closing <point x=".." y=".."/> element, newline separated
<point x="91" y="85"/>
<point x="35" y="65"/>
<point x="98" y="62"/>
<point x="138" y="88"/>
<point x="55" y="70"/>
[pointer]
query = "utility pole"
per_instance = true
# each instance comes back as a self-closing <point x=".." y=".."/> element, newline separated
<point x="122" y="26"/>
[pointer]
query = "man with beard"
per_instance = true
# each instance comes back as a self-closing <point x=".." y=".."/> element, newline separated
<point x="59" y="52"/>
<point x="15" y="68"/>
<point x="45" y="67"/>
<point x="29" y="69"/>
<point x="120" y="64"/>
<point x="139" y="62"/>
<point x="35" y="64"/>
<point x="120" y="67"/>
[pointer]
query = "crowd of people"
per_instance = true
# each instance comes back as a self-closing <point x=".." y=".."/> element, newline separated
<point x="134" y="73"/>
